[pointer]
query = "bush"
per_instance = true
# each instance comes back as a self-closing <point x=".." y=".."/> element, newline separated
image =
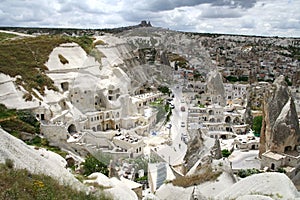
<point x="247" y="172"/>
<point x="281" y="170"/>
<point x="226" y="153"/>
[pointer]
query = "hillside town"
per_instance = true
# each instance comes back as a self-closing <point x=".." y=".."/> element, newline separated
<point x="157" y="106"/>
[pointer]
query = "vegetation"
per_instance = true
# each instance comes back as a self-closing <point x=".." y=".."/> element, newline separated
<point x="288" y="81"/>
<point x="226" y="153"/>
<point x="247" y="172"/>
<point x="44" y="143"/>
<point x="5" y="36"/>
<point x="179" y="60"/>
<point x="62" y="59"/>
<point x="281" y="170"/>
<point x="18" y="121"/>
<point x="6" y="113"/>
<point x="257" y="124"/>
<point x="26" y="58"/>
<point x="196" y="179"/>
<point x="234" y="79"/>
<point x="164" y="90"/>
<point x="91" y="165"/>
<point x="99" y="42"/>
<point x="168" y="110"/>
<point x="32" y="186"/>
<point x="201" y="106"/>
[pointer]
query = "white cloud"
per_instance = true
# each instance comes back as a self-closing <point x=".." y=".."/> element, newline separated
<point x="255" y="17"/>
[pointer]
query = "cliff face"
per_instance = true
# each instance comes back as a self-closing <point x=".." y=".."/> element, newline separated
<point x="280" y="128"/>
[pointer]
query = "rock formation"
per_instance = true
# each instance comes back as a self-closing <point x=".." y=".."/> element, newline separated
<point x="280" y="127"/>
<point x="216" y="88"/>
<point x="195" y="146"/>
<point x="248" y="113"/>
<point x="201" y="149"/>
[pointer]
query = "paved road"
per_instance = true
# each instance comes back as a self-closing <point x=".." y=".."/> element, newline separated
<point x="176" y="119"/>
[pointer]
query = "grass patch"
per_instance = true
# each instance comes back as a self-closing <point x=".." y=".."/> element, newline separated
<point x="5" y="36"/>
<point x="32" y="186"/>
<point x="6" y="113"/>
<point x="44" y="143"/>
<point x="62" y="59"/>
<point x="14" y="121"/>
<point x="99" y="42"/>
<point x="179" y="60"/>
<point x="26" y="57"/>
<point x="207" y="175"/>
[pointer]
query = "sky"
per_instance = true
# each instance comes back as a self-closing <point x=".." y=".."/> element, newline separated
<point x="247" y="17"/>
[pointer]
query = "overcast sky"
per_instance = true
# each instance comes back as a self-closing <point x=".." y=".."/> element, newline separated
<point x="250" y="17"/>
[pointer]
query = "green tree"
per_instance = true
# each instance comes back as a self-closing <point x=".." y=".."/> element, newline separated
<point x="164" y="89"/>
<point x="91" y="165"/>
<point x="256" y="125"/>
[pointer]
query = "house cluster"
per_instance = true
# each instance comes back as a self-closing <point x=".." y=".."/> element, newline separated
<point x="217" y="108"/>
<point x="260" y="58"/>
<point x="91" y="113"/>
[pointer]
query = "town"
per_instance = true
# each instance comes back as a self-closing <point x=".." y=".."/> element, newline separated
<point x="156" y="105"/>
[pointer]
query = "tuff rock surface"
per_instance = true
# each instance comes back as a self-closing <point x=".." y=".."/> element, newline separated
<point x="280" y="127"/>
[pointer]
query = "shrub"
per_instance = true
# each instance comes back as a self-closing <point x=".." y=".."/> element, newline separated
<point x="247" y="172"/>
<point x="9" y="163"/>
<point x="225" y="153"/>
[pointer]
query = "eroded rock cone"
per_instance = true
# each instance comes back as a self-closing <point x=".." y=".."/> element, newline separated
<point x="280" y="128"/>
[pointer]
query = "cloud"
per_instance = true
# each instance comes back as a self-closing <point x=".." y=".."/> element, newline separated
<point x="159" y="5"/>
<point x="256" y="17"/>
<point x="220" y="12"/>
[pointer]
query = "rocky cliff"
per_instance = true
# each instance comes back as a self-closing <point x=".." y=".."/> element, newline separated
<point x="280" y="128"/>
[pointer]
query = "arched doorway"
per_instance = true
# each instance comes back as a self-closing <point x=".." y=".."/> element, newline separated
<point x="272" y="166"/>
<point x="228" y="119"/>
<point x="287" y="148"/>
<point x="236" y="120"/>
<point x="72" y="129"/>
<point x="224" y="137"/>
